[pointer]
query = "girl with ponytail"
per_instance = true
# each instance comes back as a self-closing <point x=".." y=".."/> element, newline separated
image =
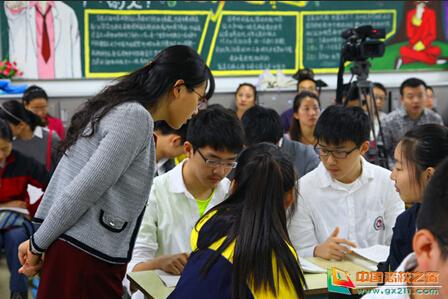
<point x="92" y="209"/>
<point x="418" y="154"/>
<point x="241" y="248"/>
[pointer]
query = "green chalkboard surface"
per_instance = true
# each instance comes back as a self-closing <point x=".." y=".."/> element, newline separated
<point x="247" y="37"/>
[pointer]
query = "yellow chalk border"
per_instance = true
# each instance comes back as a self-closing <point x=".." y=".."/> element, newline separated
<point x="342" y="12"/>
<point x="88" y="12"/>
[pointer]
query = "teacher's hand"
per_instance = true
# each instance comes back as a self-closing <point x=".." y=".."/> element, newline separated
<point x="31" y="263"/>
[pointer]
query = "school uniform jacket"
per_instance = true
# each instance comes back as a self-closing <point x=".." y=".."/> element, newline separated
<point x="401" y="244"/>
<point x="18" y="172"/>
<point x="217" y="283"/>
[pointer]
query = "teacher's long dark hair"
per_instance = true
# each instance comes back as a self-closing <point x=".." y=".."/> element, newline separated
<point x="255" y="217"/>
<point x="146" y="85"/>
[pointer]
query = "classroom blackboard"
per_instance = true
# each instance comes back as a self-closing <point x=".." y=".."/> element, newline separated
<point x="240" y="37"/>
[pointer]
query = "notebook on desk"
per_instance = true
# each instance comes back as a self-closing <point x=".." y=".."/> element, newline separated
<point x="169" y="280"/>
<point x="369" y="257"/>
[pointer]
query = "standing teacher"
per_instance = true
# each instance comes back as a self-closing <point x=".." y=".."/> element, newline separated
<point x="92" y="208"/>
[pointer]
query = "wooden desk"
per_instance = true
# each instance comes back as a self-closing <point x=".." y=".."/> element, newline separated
<point x="152" y="287"/>
<point x="149" y="284"/>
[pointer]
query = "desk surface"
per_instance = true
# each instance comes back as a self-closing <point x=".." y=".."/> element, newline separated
<point x="152" y="287"/>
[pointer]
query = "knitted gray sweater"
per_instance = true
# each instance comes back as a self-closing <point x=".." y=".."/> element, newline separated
<point x="96" y="197"/>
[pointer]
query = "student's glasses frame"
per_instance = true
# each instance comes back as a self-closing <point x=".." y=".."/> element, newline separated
<point x="337" y="154"/>
<point x="217" y="163"/>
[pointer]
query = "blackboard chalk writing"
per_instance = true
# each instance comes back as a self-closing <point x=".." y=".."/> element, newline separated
<point x="320" y="31"/>
<point x="247" y="43"/>
<point x="125" y="40"/>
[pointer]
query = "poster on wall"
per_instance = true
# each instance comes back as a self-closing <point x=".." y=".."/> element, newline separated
<point x="44" y="39"/>
<point x="106" y="39"/>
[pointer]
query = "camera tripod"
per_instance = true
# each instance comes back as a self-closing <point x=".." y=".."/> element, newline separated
<point x="377" y="153"/>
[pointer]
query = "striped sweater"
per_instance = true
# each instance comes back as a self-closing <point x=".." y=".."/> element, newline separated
<point x="96" y="197"/>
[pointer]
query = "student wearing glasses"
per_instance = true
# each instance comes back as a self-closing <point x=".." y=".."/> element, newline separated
<point x="346" y="201"/>
<point x="181" y="196"/>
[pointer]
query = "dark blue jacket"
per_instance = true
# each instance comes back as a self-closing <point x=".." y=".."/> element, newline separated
<point x="401" y="244"/>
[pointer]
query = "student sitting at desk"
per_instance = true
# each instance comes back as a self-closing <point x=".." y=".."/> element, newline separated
<point x="345" y="201"/>
<point x="241" y="248"/>
<point x="169" y="145"/>
<point x="430" y="244"/>
<point x="180" y="197"/>
<point x="264" y="125"/>
<point x="16" y="172"/>
<point x="417" y="155"/>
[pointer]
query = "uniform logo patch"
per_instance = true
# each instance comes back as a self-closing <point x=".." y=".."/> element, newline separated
<point x="378" y="224"/>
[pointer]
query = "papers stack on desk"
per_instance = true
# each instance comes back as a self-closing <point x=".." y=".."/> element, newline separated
<point x="168" y="279"/>
<point x="369" y="257"/>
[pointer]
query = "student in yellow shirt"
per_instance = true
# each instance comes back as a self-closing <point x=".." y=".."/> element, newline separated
<point x="241" y="247"/>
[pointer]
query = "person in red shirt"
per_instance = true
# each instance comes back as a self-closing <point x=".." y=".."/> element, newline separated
<point x="17" y="171"/>
<point x="35" y="99"/>
<point x="422" y="31"/>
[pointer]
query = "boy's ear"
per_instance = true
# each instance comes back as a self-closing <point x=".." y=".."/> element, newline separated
<point x="175" y="140"/>
<point x="233" y="186"/>
<point x="429" y="172"/>
<point x="364" y="147"/>
<point x="188" y="149"/>
<point x="426" y="249"/>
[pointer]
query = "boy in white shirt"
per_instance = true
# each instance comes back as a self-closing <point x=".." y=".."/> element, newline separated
<point x="179" y="197"/>
<point x="430" y="244"/>
<point x="346" y="201"/>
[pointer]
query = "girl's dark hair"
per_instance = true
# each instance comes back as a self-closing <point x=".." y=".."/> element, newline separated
<point x="34" y="92"/>
<point x="433" y="211"/>
<point x="5" y="131"/>
<point x="254" y="89"/>
<point x="424" y="146"/>
<point x="146" y="86"/>
<point x="294" y="130"/>
<point x="255" y="218"/>
<point x="14" y="112"/>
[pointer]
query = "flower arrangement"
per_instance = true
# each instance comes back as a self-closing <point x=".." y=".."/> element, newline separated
<point x="9" y="69"/>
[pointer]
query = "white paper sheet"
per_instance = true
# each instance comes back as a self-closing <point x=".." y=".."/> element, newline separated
<point x="168" y="279"/>
<point x="376" y="253"/>
<point x="35" y="193"/>
<point x="309" y="267"/>
<point x="19" y="210"/>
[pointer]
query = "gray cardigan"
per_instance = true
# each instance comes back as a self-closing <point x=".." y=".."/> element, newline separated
<point x="301" y="155"/>
<point x="96" y="197"/>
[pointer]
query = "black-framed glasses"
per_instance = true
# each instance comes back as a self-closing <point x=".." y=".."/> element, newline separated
<point x="337" y="154"/>
<point x="218" y="163"/>
<point x="202" y="101"/>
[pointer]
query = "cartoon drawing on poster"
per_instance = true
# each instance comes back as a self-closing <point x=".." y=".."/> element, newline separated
<point x="421" y="31"/>
<point x="44" y="39"/>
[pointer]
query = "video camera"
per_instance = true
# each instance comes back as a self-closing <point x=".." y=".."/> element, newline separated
<point x="362" y="43"/>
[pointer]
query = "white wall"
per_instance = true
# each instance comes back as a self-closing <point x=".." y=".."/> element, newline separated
<point x="67" y="95"/>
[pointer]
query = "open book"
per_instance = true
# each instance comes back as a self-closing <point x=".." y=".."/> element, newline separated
<point x="309" y="267"/>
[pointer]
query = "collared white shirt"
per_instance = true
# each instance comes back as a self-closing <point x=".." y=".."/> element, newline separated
<point x="170" y="216"/>
<point x="159" y="167"/>
<point x="386" y="291"/>
<point x="365" y="210"/>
